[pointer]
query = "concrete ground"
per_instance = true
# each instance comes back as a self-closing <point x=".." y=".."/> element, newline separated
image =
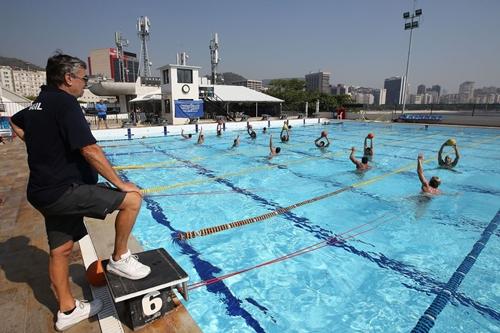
<point x="27" y="303"/>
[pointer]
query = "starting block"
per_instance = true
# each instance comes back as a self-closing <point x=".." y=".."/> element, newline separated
<point x="150" y="298"/>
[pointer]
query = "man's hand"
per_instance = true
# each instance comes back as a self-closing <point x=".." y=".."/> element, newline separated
<point x="353" y="149"/>
<point x="420" y="156"/>
<point x="130" y="187"/>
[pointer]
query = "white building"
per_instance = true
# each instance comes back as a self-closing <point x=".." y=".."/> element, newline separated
<point x="21" y="81"/>
<point x="6" y="79"/>
<point x="28" y="83"/>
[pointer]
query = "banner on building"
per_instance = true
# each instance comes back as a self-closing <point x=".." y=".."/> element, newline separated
<point x="188" y="109"/>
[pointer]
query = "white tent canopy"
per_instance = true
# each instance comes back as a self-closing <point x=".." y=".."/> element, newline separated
<point x="243" y="94"/>
<point x="225" y="93"/>
<point x="152" y="96"/>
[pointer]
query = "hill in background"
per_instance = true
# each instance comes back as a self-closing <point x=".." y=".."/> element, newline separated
<point x="18" y="64"/>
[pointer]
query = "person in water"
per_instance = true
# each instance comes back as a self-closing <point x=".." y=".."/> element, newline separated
<point x="360" y="165"/>
<point x="322" y="141"/>
<point x="201" y="137"/>
<point x="430" y="186"/>
<point x="273" y="150"/>
<point x="250" y="131"/>
<point x="447" y="162"/>
<point x="236" y="142"/>
<point x="186" y="136"/>
<point x="368" y="150"/>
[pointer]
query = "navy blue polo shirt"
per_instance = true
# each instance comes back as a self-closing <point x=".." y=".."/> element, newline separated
<point x="54" y="131"/>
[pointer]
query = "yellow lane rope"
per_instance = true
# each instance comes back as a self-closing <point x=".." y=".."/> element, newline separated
<point x="279" y="211"/>
<point x="239" y="223"/>
<point x="231" y="174"/>
<point x="151" y="165"/>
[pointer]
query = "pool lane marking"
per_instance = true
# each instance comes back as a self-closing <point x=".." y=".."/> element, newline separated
<point x="231" y="174"/>
<point x="327" y="242"/>
<point x="204" y="268"/>
<point x="150" y="165"/>
<point x="235" y="224"/>
<point x="427" y="320"/>
<point x="244" y="171"/>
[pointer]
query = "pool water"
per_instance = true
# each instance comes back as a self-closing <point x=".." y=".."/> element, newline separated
<point x="384" y="251"/>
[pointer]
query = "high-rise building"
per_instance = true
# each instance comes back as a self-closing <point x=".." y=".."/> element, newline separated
<point x="319" y="81"/>
<point x="252" y="84"/>
<point x="394" y="87"/>
<point x="421" y="89"/>
<point x="465" y="92"/>
<point x="105" y="63"/>
<point x="436" y="88"/>
<point x="21" y="81"/>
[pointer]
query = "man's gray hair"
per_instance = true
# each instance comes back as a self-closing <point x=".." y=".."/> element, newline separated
<point x="59" y="65"/>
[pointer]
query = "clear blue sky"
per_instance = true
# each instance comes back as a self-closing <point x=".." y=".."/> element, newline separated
<point x="361" y="42"/>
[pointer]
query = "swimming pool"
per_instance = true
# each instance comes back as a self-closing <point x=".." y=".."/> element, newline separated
<point x="374" y="255"/>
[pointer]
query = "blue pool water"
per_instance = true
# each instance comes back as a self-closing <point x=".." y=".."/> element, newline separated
<point x="395" y="250"/>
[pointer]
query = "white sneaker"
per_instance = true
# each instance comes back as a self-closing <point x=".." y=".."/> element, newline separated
<point x="128" y="267"/>
<point x="83" y="310"/>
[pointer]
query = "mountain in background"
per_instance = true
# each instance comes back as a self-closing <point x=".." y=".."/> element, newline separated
<point x="18" y="64"/>
<point x="230" y="77"/>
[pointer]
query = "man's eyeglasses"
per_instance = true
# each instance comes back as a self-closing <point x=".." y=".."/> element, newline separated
<point x="85" y="78"/>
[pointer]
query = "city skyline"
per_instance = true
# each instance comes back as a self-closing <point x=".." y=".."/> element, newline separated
<point x="360" y="43"/>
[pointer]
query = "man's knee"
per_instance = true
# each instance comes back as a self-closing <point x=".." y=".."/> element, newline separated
<point x="63" y="250"/>
<point x="132" y="201"/>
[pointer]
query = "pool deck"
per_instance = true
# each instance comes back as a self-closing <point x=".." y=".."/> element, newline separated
<point x="27" y="303"/>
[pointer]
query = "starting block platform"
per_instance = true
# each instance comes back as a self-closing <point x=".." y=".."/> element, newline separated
<point x="150" y="298"/>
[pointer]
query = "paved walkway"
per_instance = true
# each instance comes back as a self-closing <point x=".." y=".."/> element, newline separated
<point x="27" y="304"/>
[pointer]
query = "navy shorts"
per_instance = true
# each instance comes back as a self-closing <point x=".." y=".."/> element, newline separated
<point x="64" y="218"/>
<point x="101" y="116"/>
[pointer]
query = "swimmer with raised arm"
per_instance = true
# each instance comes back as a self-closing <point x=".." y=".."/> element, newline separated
<point x="447" y="162"/>
<point x="236" y="142"/>
<point x="360" y="165"/>
<point x="186" y="136"/>
<point x="201" y="137"/>
<point x="322" y="141"/>
<point x="273" y="150"/>
<point x="430" y="186"/>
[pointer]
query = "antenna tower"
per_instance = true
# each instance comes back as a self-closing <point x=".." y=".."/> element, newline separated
<point x="120" y="44"/>
<point x="143" y="27"/>
<point x="214" y="56"/>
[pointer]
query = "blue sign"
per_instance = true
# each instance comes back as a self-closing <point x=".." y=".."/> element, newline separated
<point x="188" y="109"/>
<point x="5" y="126"/>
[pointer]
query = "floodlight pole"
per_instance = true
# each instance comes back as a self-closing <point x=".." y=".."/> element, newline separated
<point x="412" y="24"/>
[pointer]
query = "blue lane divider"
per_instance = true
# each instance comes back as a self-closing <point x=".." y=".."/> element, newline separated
<point x="427" y="320"/>
<point x="204" y="268"/>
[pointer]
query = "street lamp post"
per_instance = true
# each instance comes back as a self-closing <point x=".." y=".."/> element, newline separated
<point x="411" y="22"/>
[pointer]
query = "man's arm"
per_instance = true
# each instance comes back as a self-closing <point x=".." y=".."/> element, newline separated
<point x="327" y="141"/>
<point x="18" y="130"/>
<point x="271" y="143"/>
<point x="440" y="154"/>
<point x="366" y="143"/>
<point x="352" y="158"/>
<point x="420" y="170"/>
<point x="457" y="156"/>
<point x="94" y="155"/>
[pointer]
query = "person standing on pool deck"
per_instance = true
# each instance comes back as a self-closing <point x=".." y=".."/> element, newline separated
<point x="101" y="113"/>
<point x="64" y="161"/>
<point x="430" y="186"/>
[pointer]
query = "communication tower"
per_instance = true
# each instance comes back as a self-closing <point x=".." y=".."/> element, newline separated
<point x="120" y="44"/>
<point x="214" y="56"/>
<point x="143" y="27"/>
